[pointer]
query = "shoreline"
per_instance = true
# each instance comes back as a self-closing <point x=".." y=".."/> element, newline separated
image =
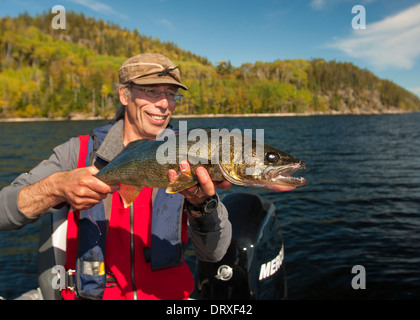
<point x="189" y="116"/>
<point x="290" y="114"/>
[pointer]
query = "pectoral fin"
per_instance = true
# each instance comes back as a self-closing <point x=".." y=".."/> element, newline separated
<point x="129" y="194"/>
<point x="183" y="180"/>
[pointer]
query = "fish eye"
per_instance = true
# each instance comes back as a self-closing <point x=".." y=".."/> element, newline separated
<point x="272" y="157"/>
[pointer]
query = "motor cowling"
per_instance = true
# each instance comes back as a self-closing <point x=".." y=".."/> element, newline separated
<point x="252" y="267"/>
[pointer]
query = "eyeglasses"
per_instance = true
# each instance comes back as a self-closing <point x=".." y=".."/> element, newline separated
<point x="155" y="93"/>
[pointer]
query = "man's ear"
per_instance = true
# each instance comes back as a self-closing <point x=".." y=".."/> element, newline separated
<point x="123" y="97"/>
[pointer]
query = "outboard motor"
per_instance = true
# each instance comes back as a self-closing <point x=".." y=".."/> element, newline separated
<point x="253" y="267"/>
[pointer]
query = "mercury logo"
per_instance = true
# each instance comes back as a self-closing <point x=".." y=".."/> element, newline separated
<point x="271" y="267"/>
<point x="224" y="273"/>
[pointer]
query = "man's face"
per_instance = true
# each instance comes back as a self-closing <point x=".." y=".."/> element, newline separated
<point x="145" y="116"/>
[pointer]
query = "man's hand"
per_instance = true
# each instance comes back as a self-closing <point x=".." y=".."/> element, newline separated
<point x="206" y="187"/>
<point x="82" y="190"/>
<point x="79" y="188"/>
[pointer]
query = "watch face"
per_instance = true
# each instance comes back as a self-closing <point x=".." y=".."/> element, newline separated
<point x="211" y="205"/>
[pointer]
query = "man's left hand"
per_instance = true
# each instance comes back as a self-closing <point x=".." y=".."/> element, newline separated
<point x="204" y="189"/>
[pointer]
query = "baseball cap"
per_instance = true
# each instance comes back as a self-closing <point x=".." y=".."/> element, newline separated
<point x="150" y="68"/>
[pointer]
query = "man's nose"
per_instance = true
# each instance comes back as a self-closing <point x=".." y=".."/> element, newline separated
<point x="162" y="101"/>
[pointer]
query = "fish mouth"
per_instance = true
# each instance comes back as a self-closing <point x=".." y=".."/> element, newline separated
<point x="282" y="176"/>
<point x="277" y="178"/>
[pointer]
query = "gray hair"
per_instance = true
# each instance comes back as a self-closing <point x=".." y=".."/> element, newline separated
<point x="126" y="87"/>
<point x="126" y="90"/>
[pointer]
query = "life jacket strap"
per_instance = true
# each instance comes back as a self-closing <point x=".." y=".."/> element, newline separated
<point x="111" y="281"/>
<point x="70" y="279"/>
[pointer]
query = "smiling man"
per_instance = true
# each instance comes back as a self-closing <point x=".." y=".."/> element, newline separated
<point x="114" y="252"/>
<point x="148" y="89"/>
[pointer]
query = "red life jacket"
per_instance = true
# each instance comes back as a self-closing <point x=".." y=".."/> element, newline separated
<point x="129" y="274"/>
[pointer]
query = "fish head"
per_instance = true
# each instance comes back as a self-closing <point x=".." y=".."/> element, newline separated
<point x="271" y="168"/>
<point x="278" y="169"/>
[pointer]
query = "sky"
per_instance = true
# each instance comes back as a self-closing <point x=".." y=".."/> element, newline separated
<point x="242" y="31"/>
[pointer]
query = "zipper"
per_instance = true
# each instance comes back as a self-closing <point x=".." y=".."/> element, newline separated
<point x="133" y="283"/>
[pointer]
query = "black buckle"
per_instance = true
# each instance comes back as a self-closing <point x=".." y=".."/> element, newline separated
<point x="70" y="279"/>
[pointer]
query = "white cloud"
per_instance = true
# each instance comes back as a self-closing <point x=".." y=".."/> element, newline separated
<point x="318" y="4"/>
<point x="393" y="42"/>
<point x="164" y="22"/>
<point x="99" y="7"/>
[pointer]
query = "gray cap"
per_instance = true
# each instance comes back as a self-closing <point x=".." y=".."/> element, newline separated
<point x="150" y="68"/>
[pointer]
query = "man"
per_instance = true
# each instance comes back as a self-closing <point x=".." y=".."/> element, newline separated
<point x="117" y="252"/>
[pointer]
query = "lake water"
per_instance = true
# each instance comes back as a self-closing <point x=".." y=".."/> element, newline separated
<point x="361" y="205"/>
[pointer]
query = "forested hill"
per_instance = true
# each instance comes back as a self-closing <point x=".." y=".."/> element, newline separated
<point x="63" y="73"/>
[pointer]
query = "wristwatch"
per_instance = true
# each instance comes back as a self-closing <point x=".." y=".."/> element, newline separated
<point x="208" y="206"/>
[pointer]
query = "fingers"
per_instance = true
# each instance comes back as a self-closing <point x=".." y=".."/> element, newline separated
<point x="88" y="179"/>
<point x="205" y="188"/>
<point x="83" y="190"/>
<point x="172" y="174"/>
<point x="225" y="185"/>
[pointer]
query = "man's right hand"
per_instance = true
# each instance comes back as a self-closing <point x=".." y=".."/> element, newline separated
<point x="82" y="190"/>
<point x="79" y="188"/>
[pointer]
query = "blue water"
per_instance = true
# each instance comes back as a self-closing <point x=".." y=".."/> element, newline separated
<point x="361" y="205"/>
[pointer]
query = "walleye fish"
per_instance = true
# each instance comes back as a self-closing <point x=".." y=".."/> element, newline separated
<point x="235" y="157"/>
